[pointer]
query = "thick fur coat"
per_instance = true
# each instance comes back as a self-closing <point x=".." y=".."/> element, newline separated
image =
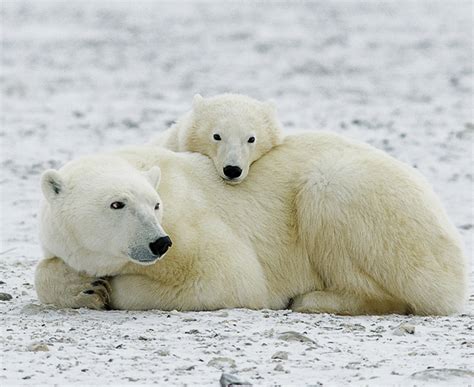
<point x="323" y="223"/>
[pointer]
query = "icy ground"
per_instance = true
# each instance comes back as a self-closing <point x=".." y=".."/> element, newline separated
<point x="79" y="77"/>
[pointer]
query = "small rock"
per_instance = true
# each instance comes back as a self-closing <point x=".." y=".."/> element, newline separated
<point x="191" y="332"/>
<point x="353" y="327"/>
<point x="268" y="333"/>
<point x="185" y="368"/>
<point x="163" y="352"/>
<point x="38" y="347"/>
<point x="295" y="336"/>
<point x="221" y="363"/>
<point x="5" y="297"/>
<point x="279" y="367"/>
<point x="227" y="380"/>
<point x="404" y="329"/>
<point x="282" y="355"/>
<point x="445" y="374"/>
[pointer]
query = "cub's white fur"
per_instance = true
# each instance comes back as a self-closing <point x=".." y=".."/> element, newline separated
<point x="233" y="130"/>
<point x="335" y="225"/>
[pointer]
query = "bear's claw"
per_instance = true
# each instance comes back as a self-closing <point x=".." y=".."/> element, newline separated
<point x="97" y="297"/>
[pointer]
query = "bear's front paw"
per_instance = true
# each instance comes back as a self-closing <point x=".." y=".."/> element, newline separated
<point x="94" y="295"/>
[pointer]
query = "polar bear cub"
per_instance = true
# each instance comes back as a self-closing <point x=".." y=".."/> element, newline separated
<point x="232" y="130"/>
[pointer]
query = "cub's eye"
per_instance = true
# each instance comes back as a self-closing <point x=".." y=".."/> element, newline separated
<point x="157" y="206"/>
<point x="217" y="137"/>
<point x="117" y="205"/>
<point x="251" y="140"/>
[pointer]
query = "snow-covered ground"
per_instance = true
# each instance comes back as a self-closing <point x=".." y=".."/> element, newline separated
<point x="85" y="76"/>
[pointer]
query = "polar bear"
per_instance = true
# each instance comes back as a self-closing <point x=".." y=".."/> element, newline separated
<point x="233" y="130"/>
<point x="323" y="223"/>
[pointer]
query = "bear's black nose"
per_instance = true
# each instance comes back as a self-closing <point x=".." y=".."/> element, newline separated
<point x="160" y="246"/>
<point x="232" y="172"/>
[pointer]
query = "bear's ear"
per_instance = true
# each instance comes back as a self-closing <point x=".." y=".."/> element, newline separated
<point x="154" y="176"/>
<point x="197" y="101"/>
<point x="52" y="184"/>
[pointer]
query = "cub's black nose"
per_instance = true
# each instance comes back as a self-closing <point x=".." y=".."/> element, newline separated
<point x="232" y="172"/>
<point x="160" y="246"/>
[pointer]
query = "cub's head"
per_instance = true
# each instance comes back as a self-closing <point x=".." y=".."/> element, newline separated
<point x="101" y="213"/>
<point x="234" y="131"/>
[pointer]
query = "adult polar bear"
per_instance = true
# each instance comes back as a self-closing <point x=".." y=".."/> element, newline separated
<point x="333" y="224"/>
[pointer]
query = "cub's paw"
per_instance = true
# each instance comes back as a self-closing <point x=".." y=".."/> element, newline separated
<point x="92" y="295"/>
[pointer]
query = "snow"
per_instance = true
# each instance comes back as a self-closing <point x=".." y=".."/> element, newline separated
<point x="85" y="76"/>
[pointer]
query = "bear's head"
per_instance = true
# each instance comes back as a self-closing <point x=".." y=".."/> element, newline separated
<point x="101" y="213"/>
<point x="233" y="130"/>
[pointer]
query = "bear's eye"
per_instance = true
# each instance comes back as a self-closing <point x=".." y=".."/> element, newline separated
<point x="157" y="206"/>
<point x="117" y="205"/>
<point x="217" y="137"/>
<point x="251" y="140"/>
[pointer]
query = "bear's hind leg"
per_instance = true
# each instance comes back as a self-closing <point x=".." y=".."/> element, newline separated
<point x="345" y="304"/>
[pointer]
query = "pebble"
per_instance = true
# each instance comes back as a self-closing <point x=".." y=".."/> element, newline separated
<point x="185" y="368"/>
<point x="221" y="363"/>
<point x="38" y="347"/>
<point x="5" y="297"/>
<point x="227" y="380"/>
<point x="404" y="329"/>
<point x="445" y="374"/>
<point x="282" y="355"/>
<point x="279" y="367"/>
<point x="295" y="336"/>
<point x="143" y="338"/>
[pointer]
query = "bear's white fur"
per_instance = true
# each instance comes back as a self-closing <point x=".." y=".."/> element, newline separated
<point x="89" y="202"/>
<point x="332" y="224"/>
<point x="233" y="130"/>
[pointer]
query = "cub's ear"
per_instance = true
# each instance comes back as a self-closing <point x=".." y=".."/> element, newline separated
<point x="154" y="176"/>
<point x="52" y="184"/>
<point x="197" y="101"/>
